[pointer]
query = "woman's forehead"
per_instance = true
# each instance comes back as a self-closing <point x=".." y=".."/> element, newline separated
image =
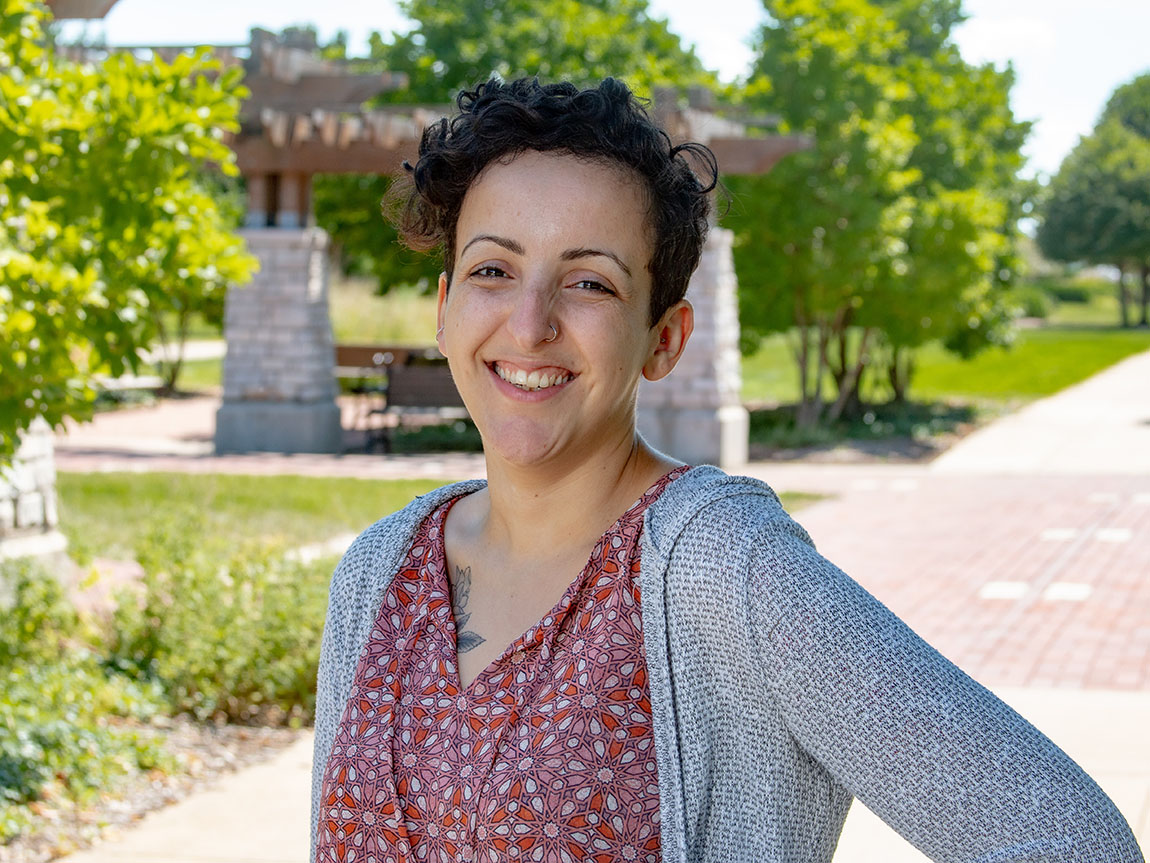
<point x="537" y="192"/>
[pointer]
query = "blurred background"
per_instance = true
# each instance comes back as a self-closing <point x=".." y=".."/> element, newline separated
<point x="217" y="363"/>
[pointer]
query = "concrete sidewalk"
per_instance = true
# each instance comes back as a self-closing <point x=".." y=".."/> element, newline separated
<point x="1100" y="426"/>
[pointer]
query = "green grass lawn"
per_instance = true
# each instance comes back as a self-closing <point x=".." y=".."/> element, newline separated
<point x="1040" y="362"/>
<point x="109" y="514"/>
<point x="403" y="316"/>
<point x="200" y="375"/>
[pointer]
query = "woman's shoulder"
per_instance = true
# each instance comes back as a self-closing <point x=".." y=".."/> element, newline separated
<point x="707" y="506"/>
<point x="377" y="549"/>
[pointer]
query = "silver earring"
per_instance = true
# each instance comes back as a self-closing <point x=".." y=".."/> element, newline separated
<point x="439" y="333"/>
<point x="554" y="333"/>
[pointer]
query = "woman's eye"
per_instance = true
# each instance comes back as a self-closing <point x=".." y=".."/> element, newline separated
<point x="488" y="272"/>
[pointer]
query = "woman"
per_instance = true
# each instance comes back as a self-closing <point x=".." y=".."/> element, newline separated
<point x="602" y="654"/>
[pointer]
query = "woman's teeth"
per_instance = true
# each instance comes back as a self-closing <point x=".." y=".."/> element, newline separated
<point x="535" y="380"/>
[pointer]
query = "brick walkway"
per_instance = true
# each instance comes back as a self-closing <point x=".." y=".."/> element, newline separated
<point x="1022" y="581"/>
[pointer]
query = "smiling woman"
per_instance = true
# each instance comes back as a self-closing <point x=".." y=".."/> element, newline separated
<point x="602" y="653"/>
<point x="545" y="323"/>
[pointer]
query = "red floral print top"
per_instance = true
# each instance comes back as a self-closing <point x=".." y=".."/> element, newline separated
<point x="548" y="755"/>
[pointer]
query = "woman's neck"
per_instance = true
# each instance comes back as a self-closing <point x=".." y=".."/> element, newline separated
<point x="536" y="512"/>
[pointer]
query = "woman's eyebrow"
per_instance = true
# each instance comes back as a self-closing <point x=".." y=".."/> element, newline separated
<point x="574" y="254"/>
<point x="510" y="245"/>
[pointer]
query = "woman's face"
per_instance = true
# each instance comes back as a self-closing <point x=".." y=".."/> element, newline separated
<point x="548" y="240"/>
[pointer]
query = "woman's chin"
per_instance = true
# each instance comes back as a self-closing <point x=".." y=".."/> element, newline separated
<point x="523" y="443"/>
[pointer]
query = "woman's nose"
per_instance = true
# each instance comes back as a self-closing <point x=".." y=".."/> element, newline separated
<point x="530" y="321"/>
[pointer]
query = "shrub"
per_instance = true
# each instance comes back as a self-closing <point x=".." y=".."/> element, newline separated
<point x="236" y="639"/>
<point x="62" y="727"/>
<point x="1065" y="293"/>
<point x="1031" y="301"/>
<point x="1072" y="290"/>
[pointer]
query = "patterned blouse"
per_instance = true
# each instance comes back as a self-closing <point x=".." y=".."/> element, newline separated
<point x="547" y="755"/>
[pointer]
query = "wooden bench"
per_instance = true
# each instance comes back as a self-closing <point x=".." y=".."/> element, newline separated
<point x="418" y="389"/>
<point x="399" y="382"/>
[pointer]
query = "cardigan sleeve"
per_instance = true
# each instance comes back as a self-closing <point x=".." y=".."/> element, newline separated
<point x="943" y="761"/>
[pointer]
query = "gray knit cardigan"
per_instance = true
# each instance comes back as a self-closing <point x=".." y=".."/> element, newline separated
<point x="779" y="690"/>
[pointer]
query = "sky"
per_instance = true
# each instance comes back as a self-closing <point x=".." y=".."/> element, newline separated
<point x="1067" y="60"/>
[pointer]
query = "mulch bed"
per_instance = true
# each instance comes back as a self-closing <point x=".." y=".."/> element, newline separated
<point x="203" y="752"/>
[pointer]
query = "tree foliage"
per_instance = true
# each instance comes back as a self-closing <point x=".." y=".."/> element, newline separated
<point x="897" y="227"/>
<point x="1130" y="106"/>
<point x="1097" y="207"/>
<point x="106" y="223"/>
<point x="457" y="45"/>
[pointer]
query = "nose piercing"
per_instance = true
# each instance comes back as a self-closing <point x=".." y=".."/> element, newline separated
<point x="554" y="333"/>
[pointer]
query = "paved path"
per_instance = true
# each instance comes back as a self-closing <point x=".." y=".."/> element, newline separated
<point x="1099" y="426"/>
<point x="1023" y="554"/>
<point x="194" y="350"/>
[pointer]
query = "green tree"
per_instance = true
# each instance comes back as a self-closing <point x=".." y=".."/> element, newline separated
<point x="106" y="223"/>
<point x="893" y="229"/>
<point x="1097" y="207"/>
<point x="456" y="45"/>
<point x="1130" y="106"/>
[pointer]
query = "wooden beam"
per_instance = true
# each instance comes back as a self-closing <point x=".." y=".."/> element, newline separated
<point x="257" y="155"/>
<point x="755" y="155"/>
<point x="62" y="9"/>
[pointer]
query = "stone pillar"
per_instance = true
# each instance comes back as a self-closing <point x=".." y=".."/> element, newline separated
<point x="257" y="214"/>
<point x="292" y="195"/>
<point x="696" y="413"/>
<point x="279" y="372"/>
<point x="28" y="498"/>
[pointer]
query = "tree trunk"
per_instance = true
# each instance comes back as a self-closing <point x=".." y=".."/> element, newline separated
<point x="173" y="365"/>
<point x="802" y="354"/>
<point x="848" y="396"/>
<point x="811" y="408"/>
<point x="1125" y="312"/>
<point x="901" y="368"/>
<point x="1145" y="321"/>
<point x="839" y="366"/>
<point x="893" y="376"/>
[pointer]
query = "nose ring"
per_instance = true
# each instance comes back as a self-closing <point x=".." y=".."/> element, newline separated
<point x="554" y="333"/>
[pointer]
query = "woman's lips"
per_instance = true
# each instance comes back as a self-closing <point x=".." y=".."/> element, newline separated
<point x="533" y="380"/>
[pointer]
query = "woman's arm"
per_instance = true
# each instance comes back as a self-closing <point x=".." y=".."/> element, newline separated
<point x="953" y="769"/>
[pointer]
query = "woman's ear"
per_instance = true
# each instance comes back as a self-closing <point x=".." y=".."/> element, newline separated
<point x="670" y="336"/>
<point x="440" y="312"/>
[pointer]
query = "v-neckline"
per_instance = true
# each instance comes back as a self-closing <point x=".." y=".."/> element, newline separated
<point x="558" y="609"/>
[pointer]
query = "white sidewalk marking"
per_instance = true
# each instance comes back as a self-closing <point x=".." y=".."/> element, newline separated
<point x="1003" y="590"/>
<point x="1067" y="591"/>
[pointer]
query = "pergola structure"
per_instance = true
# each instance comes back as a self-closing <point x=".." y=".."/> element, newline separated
<point x="306" y="116"/>
<point x="63" y="9"/>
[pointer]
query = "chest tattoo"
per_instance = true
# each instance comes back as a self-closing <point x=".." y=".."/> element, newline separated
<point x="460" y="593"/>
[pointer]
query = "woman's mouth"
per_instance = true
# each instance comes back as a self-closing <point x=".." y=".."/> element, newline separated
<point x="539" y="379"/>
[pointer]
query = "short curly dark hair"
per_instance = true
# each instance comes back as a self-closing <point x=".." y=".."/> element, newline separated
<point x="498" y="120"/>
